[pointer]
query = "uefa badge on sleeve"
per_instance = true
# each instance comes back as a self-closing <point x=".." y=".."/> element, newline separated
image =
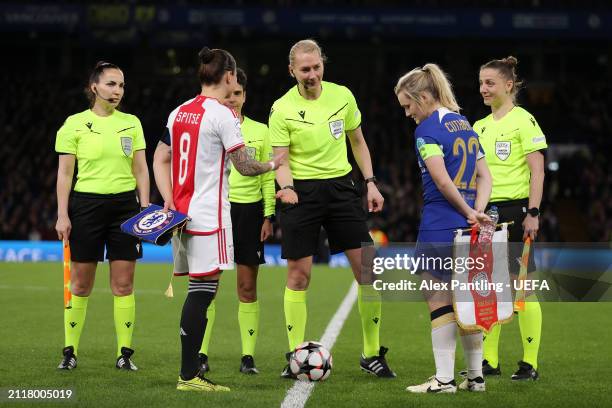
<point x="154" y="224"/>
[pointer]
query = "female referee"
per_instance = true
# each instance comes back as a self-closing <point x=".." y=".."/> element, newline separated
<point x="109" y="147"/>
<point x="512" y="141"/>
<point x="310" y="123"/>
<point x="456" y="189"/>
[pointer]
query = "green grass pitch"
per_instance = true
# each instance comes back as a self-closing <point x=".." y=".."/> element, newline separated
<point x="575" y="356"/>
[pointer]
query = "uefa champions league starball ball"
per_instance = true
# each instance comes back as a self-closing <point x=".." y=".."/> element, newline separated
<point x="311" y="361"/>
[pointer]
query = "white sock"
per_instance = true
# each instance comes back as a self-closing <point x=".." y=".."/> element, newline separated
<point x="443" y="340"/>
<point x="472" y="350"/>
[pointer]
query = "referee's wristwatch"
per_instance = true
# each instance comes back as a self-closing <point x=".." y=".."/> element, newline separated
<point x="288" y="187"/>
<point x="533" y="211"/>
<point x="270" y="217"/>
<point x="371" y="180"/>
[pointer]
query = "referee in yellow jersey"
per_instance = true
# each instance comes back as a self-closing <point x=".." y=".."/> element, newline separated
<point x="513" y="141"/>
<point x="253" y="204"/>
<point x="108" y="147"/>
<point x="311" y="123"/>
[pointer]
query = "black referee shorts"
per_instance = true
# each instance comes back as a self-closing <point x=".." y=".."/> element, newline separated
<point x="96" y="221"/>
<point x="515" y="210"/>
<point x="247" y="220"/>
<point x="334" y="204"/>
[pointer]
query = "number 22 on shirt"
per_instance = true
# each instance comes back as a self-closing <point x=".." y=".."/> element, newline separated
<point x="463" y="149"/>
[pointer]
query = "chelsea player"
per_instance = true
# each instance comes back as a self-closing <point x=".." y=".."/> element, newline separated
<point x="456" y="186"/>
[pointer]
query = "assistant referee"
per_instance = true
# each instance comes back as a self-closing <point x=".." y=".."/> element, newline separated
<point x="108" y="147"/>
<point x="310" y="123"/>
<point x="513" y="141"/>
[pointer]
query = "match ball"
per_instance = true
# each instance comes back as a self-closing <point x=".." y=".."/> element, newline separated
<point x="311" y="361"/>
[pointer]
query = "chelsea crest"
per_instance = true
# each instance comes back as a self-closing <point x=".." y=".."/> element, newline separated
<point x="153" y="222"/>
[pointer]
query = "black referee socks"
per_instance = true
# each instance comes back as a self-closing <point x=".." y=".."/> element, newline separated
<point x="193" y="324"/>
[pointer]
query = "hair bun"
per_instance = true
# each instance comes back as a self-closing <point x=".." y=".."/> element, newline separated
<point x="206" y="55"/>
<point x="510" y="60"/>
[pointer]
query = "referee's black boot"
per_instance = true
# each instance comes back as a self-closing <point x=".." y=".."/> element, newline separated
<point x="124" y="362"/>
<point x="489" y="370"/>
<point x="204" y="366"/>
<point x="377" y="365"/>
<point x="247" y="365"/>
<point x="287" y="370"/>
<point x="69" y="361"/>
<point x="525" y="372"/>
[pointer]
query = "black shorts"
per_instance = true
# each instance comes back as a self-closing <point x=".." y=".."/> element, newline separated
<point x="515" y="210"/>
<point x="334" y="204"/>
<point x="247" y="220"/>
<point x="96" y="221"/>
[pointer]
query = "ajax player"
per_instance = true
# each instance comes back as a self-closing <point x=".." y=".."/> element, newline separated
<point x="252" y="210"/>
<point x="191" y="171"/>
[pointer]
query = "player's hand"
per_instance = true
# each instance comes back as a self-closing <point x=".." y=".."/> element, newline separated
<point x="63" y="226"/>
<point x="531" y="225"/>
<point x="375" y="199"/>
<point x="287" y="196"/>
<point x="266" y="230"/>
<point x="168" y="206"/>
<point x="478" y="217"/>
<point x="279" y="159"/>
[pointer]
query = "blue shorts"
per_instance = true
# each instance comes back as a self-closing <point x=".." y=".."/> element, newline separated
<point x="446" y="235"/>
<point x="436" y="248"/>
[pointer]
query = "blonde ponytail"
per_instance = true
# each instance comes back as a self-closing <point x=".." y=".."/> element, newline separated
<point x="429" y="78"/>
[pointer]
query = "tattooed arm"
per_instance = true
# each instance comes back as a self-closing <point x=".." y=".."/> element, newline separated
<point x="248" y="166"/>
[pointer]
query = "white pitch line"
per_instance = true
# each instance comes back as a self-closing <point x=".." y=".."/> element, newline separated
<point x="300" y="392"/>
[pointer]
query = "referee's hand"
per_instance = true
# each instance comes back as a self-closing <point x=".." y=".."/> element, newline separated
<point x="375" y="199"/>
<point x="531" y="225"/>
<point x="63" y="227"/>
<point x="287" y="196"/>
<point x="266" y="230"/>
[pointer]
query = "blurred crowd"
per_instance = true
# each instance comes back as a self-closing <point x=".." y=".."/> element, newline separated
<point x="577" y="205"/>
<point x="510" y="4"/>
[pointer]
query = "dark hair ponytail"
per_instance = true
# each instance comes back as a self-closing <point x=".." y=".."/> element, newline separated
<point x="94" y="78"/>
<point x="206" y="55"/>
<point x="214" y="63"/>
<point x="241" y="78"/>
<point x="507" y="69"/>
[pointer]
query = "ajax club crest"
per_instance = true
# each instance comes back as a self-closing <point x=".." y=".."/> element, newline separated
<point x="153" y="222"/>
<point x="481" y="282"/>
